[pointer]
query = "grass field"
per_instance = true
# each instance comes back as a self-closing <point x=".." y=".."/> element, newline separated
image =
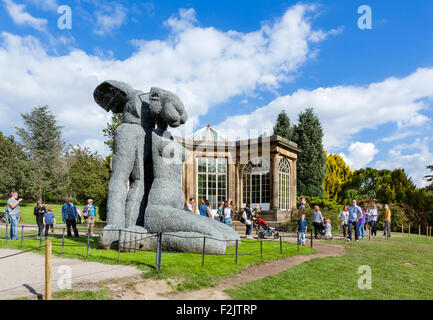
<point x="27" y="208"/>
<point x="187" y="267"/>
<point x="401" y="267"/>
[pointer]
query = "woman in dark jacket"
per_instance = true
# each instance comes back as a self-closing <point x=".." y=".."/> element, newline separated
<point x="39" y="213"/>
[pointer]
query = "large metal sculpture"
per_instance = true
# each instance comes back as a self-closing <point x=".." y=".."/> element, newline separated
<point x="149" y="157"/>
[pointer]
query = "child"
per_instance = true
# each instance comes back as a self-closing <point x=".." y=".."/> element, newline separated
<point x="49" y="221"/>
<point x="328" y="228"/>
<point x="301" y="229"/>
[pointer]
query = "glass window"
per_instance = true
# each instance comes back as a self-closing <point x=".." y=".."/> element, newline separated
<point x="212" y="180"/>
<point x="284" y="184"/>
<point x="256" y="182"/>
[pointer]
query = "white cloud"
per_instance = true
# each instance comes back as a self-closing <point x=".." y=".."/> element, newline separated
<point x="347" y="110"/>
<point x="109" y="18"/>
<point x="413" y="163"/>
<point x="49" y="5"/>
<point x="415" y="121"/>
<point x="21" y="17"/>
<point x="360" y="154"/>
<point x="204" y="66"/>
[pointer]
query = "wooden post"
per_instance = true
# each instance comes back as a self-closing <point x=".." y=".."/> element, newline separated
<point x="402" y="228"/>
<point x="237" y="246"/>
<point x="426" y="231"/>
<point x="48" y="288"/>
<point x="63" y="241"/>
<point x="7" y="233"/>
<point x="22" y="234"/>
<point x="409" y="231"/>
<point x="261" y="249"/>
<point x="430" y="231"/>
<point x="419" y="229"/>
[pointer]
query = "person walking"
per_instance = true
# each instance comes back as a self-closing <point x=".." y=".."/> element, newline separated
<point x="90" y="211"/>
<point x="247" y="215"/>
<point x="355" y="214"/>
<point x="361" y="223"/>
<point x="191" y="205"/>
<point x="39" y="212"/>
<point x="343" y="216"/>
<point x="203" y="208"/>
<point x="302" y="203"/>
<point x="208" y="209"/>
<point x="328" y="229"/>
<point x="301" y="230"/>
<point x="49" y="221"/>
<point x="317" y="221"/>
<point x="372" y="218"/>
<point x="69" y="216"/>
<point x="13" y="209"/>
<point x="227" y="211"/>
<point x="387" y="227"/>
<point x="219" y="214"/>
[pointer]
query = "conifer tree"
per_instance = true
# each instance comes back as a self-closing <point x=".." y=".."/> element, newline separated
<point x="308" y="134"/>
<point x="282" y="127"/>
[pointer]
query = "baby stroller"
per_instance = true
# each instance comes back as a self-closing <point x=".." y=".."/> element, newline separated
<point x="263" y="229"/>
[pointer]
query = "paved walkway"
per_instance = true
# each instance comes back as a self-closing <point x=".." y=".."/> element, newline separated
<point x="24" y="274"/>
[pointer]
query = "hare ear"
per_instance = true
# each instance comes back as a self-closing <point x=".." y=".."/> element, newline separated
<point x="155" y="101"/>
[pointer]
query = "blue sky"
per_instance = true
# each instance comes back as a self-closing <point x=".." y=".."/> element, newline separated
<point x="235" y="64"/>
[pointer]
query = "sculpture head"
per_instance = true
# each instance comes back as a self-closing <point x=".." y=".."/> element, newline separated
<point x="119" y="97"/>
<point x="167" y="108"/>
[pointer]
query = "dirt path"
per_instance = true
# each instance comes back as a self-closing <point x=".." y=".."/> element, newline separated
<point x="23" y="275"/>
<point x="160" y="290"/>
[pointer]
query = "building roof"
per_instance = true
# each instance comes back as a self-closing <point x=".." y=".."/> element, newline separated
<point x="208" y="134"/>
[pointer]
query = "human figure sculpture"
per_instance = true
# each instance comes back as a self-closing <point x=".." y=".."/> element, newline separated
<point x="183" y="231"/>
<point x="151" y="160"/>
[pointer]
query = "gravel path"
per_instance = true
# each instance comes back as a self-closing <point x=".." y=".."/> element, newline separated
<point x="23" y="275"/>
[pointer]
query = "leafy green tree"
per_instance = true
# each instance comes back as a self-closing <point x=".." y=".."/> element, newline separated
<point x="88" y="175"/>
<point x="116" y="121"/>
<point x="308" y="134"/>
<point x="42" y="141"/>
<point x="338" y="176"/>
<point x="15" y="169"/>
<point x="282" y="127"/>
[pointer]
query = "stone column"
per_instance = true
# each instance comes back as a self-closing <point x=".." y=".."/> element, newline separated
<point x="275" y="160"/>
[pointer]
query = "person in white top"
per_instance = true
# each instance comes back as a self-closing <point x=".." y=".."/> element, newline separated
<point x="190" y="205"/>
<point x="328" y="228"/>
<point x="227" y="211"/>
<point x="343" y="216"/>
<point x="372" y="220"/>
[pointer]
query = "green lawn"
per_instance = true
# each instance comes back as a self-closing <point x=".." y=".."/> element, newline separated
<point x="174" y="265"/>
<point x="27" y="208"/>
<point x="402" y="268"/>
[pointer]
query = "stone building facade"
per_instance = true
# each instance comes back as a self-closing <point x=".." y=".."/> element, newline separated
<point x="260" y="171"/>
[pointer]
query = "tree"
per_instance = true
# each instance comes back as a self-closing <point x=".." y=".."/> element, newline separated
<point x="338" y="176"/>
<point x="282" y="127"/>
<point x="308" y="134"/>
<point x="41" y="138"/>
<point x="15" y="169"/>
<point x="88" y="175"/>
<point x="429" y="177"/>
<point x="116" y="121"/>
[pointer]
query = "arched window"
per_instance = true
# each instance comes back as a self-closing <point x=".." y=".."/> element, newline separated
<point x="212" y="180"/>
<point x="256" y="183"/>
<point x="284" y="187"/>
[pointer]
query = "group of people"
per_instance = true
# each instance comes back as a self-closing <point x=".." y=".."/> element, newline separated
<point x="352" y="218"/>
<point x="45" y="218"/>
<point x="225" y="213"/>
<point x="359" y="219"/>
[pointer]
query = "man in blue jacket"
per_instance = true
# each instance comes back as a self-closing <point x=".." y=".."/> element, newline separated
<point x="355" y="214"/>
<point x="69" y="216"/>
